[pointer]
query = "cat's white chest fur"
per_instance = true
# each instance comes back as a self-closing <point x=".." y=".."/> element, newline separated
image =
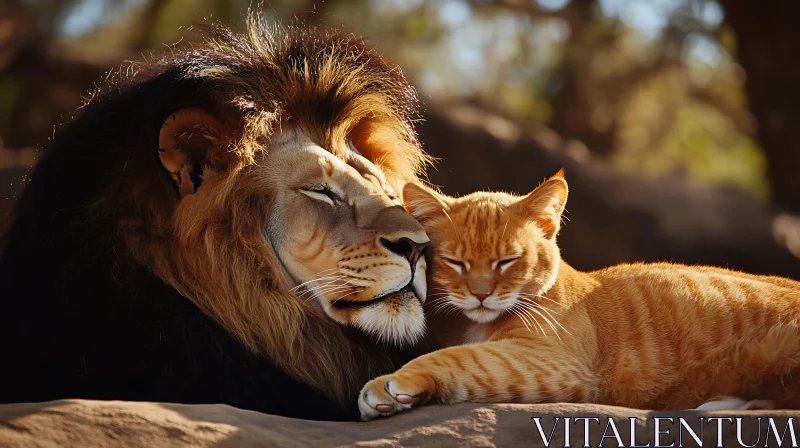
<point x="476" y="333"/>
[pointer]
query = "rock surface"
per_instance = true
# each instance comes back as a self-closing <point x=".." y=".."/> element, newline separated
<point x="83" y="423"/>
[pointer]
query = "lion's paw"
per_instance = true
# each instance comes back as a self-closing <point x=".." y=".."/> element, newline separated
<point x="389" y="394"/>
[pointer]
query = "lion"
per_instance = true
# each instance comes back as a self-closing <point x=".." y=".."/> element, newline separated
<point x="221" y="224"/>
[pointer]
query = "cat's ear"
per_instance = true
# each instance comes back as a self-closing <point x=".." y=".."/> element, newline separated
<point x="546" y="203"/>
<point x="423" y="204"/>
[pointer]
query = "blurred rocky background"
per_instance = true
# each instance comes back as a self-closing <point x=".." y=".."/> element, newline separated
<point x="678" y="121"/>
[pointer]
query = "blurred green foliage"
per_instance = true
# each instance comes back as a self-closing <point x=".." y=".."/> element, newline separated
<point x="656" y="80"/>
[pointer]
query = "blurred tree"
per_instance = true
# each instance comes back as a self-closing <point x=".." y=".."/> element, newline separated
<point x="39" y="83"/>
<point x="767" y="47"/>
<point x="623" y="81"/>
<point x="148" y="17"/>
<point x="632" y="79"/>
<point x="312" y="12"/>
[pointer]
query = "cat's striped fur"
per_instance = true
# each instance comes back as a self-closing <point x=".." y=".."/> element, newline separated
<point x="530" y="328"/>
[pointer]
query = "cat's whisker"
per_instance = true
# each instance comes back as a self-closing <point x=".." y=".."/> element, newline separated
<point x="530" y="312"/>
<point x="535" y="321"/>
<point x="452" y="310"/>
<point x="524" y="321"/>
<point x="532" y="301"/>
<point x="547" y="310"/>
<point x="524" y="311"/>
<point x="519" y="295"/>
<point x="548" y="298"/>
<point x="535" y="310"/>
<point x="438" y="307"/>
<point x="446" y="305"/>
<point x="456" y="309"/>
<point x="437" y="301"/>
<point x="511" y="311"/>
<point x="537" y="296"/>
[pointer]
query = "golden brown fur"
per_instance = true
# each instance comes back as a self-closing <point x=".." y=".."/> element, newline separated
<point x="530" y="328"/>
<point x="212" y="242"/>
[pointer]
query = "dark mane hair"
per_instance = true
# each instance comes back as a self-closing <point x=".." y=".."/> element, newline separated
<point x="85" y="312"/>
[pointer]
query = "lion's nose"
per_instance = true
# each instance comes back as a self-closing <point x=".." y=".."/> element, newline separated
<point x="406" y="247"/>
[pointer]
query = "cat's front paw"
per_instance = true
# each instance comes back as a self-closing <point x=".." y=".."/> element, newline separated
<point x="389" y="394"/>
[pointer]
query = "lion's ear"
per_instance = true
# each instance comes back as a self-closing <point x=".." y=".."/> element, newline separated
<point x="422" y="203"/>
<point x="188" y="140"/>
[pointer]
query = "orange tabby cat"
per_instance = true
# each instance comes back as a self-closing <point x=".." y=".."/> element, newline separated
<point x="533" y="329"/>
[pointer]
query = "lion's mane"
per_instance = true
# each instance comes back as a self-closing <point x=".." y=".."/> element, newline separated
<point x="97" y="301"/>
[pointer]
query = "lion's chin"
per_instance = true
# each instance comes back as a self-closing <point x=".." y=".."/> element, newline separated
<point x="397" y="319"/>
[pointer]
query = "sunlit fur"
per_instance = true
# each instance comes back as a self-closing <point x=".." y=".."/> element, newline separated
<point x="241" y="245"/>
<point x="655" y="336"/>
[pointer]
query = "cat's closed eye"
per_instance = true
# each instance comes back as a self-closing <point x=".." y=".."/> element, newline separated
<point x="505" y="263"/>
<point x="458" y="265"/>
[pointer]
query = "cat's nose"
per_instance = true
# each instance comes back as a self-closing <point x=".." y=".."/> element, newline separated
<point x="481" y="297"/>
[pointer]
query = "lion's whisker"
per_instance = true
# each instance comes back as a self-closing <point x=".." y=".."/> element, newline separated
<point x="320" y="275"/>
<point x="311" y="288"/>
<point x="342" y="297"/>
<point x="327" y="289"/>
<point x="316" y="279"/>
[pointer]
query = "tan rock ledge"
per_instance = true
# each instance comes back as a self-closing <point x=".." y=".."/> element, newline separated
<point x="83" y="423"/>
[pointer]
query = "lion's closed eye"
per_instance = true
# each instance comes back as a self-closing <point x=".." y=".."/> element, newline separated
<point x="322" y="192"/>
